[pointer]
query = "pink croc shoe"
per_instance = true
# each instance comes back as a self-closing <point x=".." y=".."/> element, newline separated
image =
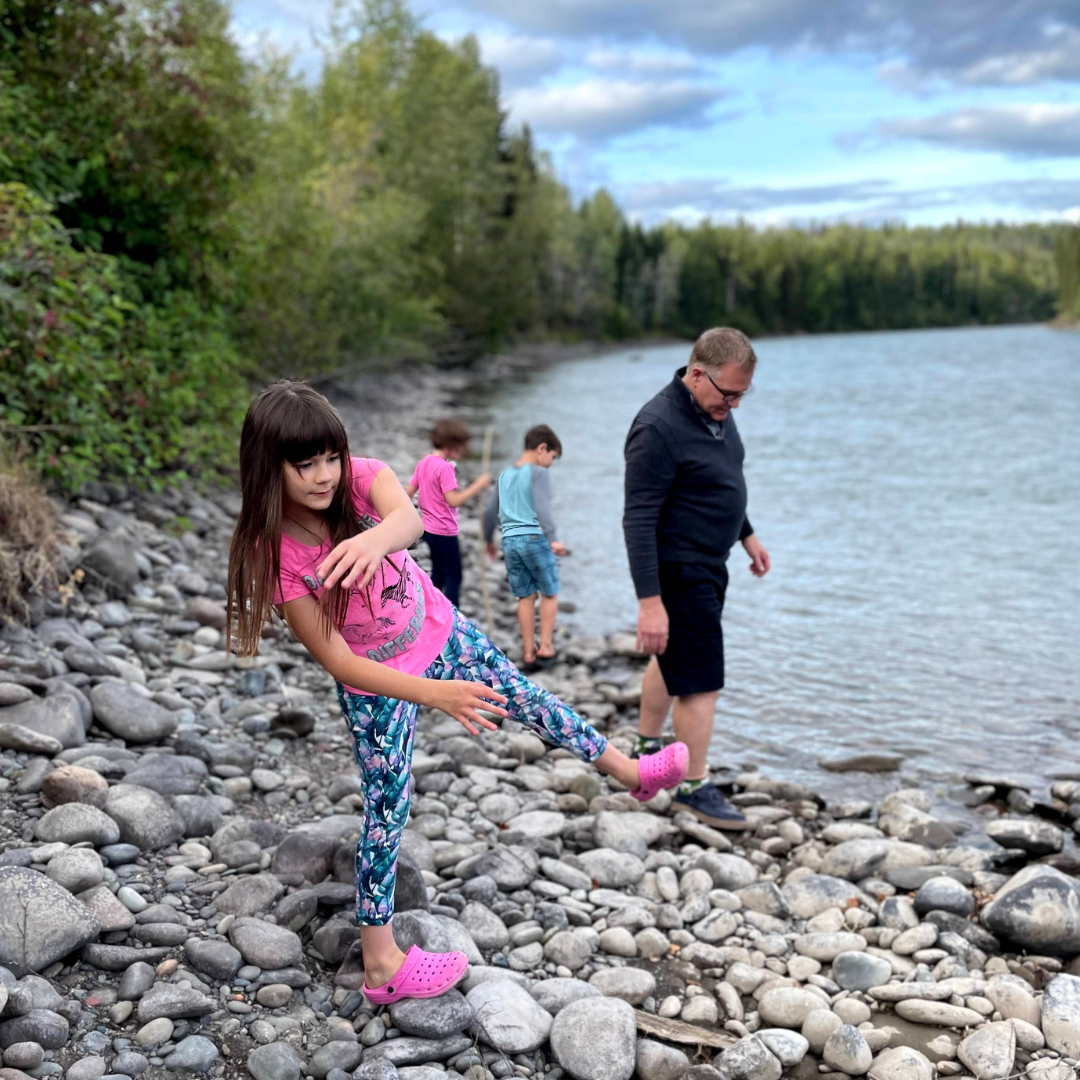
<point x="665" y="769"/>
<point x="423" y="975"/>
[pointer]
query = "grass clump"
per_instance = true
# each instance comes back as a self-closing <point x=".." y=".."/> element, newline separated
<point x="30" y="560"/>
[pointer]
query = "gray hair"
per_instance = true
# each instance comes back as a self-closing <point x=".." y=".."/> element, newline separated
<point x="723" y="345"/>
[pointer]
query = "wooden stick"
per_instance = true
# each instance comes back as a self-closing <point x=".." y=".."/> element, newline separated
<point x="680" y="1032"/>
<point x="489" y="435"/>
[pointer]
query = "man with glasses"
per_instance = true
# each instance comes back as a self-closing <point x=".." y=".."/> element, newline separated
<point x="685" y="509"/>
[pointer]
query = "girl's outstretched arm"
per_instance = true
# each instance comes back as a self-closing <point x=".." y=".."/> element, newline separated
<point x="354" y="561"/>
<point x="457" y="698"/>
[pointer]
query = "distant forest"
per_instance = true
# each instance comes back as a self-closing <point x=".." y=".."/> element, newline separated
<point x="178" y="219"/>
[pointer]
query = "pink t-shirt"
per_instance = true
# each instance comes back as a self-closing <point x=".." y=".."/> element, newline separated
<point x="433" y="477"/>
<point x="408" y="621"/>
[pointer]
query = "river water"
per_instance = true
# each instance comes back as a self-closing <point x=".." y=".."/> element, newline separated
<point x="919" y="493"/>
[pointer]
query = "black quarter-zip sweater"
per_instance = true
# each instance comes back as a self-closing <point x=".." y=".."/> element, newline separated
<point x="685" y="490"/>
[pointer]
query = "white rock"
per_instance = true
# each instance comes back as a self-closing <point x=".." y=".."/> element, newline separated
<point x="939" y="1013"/>
<point x="989" y="1051"/>
<point x="788" y="1006"/>
<point x="901" y="1063"/>
<point x="1061" y="1015"/>
<point x="847" y="1051"/>
<point x="750" y="1059"/>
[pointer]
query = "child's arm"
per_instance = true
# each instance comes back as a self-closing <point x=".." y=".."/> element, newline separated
<point x="411" y="490"/>
<point x="491" y="515"/>
<point x="354" y="561"/>
<point x="458" y="496"/>
<point x="456" y="697"/>
<point x="541" y="493"/>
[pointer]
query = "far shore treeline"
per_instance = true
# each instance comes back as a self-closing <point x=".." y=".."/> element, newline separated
<point x="179" y="218"/>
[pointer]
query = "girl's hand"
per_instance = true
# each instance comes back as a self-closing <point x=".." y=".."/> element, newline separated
<point x="462" y="700"/>
<point x="352" y="562"/>
<point x="558" y="548"/>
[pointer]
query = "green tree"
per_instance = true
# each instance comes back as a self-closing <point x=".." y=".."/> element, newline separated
<point x="133" y="120"/>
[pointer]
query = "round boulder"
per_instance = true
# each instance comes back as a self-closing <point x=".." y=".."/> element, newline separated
<point x="594" y="1039"/>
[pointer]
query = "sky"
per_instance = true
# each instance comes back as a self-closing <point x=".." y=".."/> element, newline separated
<point x="776" y="111"/>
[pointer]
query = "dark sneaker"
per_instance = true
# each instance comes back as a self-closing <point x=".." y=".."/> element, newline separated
<point x="709" y="804"/>
<point x="636" y="753"/>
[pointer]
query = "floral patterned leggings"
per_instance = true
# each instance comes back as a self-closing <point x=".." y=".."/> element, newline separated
<point x="382" y="734"/>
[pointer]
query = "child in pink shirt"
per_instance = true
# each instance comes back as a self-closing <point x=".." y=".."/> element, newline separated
<point x="323" y="537"/>
<point x="435" y="481"/>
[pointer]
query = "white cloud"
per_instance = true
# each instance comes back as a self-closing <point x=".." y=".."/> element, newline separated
<point x="872" y="199"/>
<point x="638" y="62"/>
<point x="1038" y="130"/>
<point x="605" y="108"/>
<point x="520" y="59"/>
<point x="995" y="42"/>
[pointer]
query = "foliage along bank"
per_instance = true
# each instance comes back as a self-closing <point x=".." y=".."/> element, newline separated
<point x="176" y="219"/>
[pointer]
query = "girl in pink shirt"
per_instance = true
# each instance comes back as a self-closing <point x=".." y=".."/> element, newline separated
<point x="322" y="538"/>
<point x="434" y="482"/>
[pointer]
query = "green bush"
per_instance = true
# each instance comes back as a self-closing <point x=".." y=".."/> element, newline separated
<point x="93" y="380"/>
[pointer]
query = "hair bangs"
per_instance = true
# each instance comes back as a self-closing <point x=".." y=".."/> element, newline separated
<point x="310" y="426"/>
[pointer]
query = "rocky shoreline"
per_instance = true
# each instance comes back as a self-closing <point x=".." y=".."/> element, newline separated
<point x="177" y="835"/>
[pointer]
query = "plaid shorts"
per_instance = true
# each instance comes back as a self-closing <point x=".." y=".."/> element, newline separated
<point x="531" y="565"/>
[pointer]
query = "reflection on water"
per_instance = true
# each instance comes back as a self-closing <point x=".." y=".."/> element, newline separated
<point x="919" y="493"/>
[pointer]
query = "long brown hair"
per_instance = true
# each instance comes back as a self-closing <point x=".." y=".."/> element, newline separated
<point x="288" y="422"/>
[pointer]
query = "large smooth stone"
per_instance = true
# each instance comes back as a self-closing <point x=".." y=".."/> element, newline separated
<point x="812" y="894"/>
<point x="40" y="922"/>
<point x="1061" y="1015"/>
<point x="57" y="717"/>
<point x="275" y="1061"/>
<point x="860" y="970"/>
<point x="166" y="1000"/>
<point x="555" y="994"/>
<point x="1039" y="908"/>
<point x="901" y="1063"/>
<point x="508" y="1018"/>
<point x="1035" y="837"/>
<point x="989" y="1051"/>
<point x="788" y="1006"/>
<point x="128" y="712"/>
<point x="594" y="1039"/>
<point x="42" y="1026"/>
<point x="265" y="945"/>
<point x="145" y="818"/>
<point x="249" y="895"/>
<point x="939" y="1013"/>
<point x="76" y="823"/>
<point x="848" y="1051"/>
<point x="750" y="1059"/>
<point x="432" y="1018"/>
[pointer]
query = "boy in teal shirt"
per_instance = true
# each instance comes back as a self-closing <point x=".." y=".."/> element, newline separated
<point x="521" y="503"/>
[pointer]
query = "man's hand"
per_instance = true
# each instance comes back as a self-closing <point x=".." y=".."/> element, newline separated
<point x="489" y="547"/>
<point x="759" y="557"/>
<point x="462" y="700"/>
<point x="652" y="626"/>
<point x="557" y="548"/>
<point x="353" y="561"/>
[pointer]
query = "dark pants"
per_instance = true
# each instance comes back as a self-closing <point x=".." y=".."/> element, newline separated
<point x="445" y="565"/>
<point x="693" y="595"/>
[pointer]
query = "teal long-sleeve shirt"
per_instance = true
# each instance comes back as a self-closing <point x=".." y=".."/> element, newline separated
<point x="521" y="504"/>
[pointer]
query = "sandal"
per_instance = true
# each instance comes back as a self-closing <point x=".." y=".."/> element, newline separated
<point x="665" y="769"/>
<point x="547" y="661"/>
<point x="423" y="975"/>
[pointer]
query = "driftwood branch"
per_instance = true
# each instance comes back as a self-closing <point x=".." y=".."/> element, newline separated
<point x="679" y="1032"/>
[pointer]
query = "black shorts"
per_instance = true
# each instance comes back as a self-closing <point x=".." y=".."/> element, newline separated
<point x="693" y="596"/>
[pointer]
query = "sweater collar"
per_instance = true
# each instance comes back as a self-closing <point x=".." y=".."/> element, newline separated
<point x="716" y="428"/>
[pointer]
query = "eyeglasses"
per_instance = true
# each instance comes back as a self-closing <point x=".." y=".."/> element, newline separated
<point x="731" y="397"/>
